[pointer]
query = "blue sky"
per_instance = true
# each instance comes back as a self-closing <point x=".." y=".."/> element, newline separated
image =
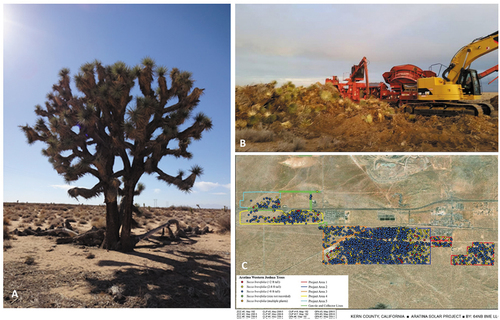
<point x="309" y="43"/>
<point x="40" y="40"/>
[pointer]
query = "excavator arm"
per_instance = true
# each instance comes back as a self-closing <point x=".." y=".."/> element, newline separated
<point x="467" y="54"/>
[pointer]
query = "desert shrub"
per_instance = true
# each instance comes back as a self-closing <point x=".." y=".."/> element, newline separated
<point x="99" y="223"/>
<point x="324" y="142"/>
<point x="55" y="221"/>
<point x="147" y="214"/>
<point x="222" y="290"/>
<point x="28" y="219"/>
<point x="29" y="260"/>
<point x="224" y="222"/>
<point x="7" y="245"/>
<point x="6" y="235"/>
<point x="26" y="214"/>
<point x="167" y="213"/>
<point x="296" y="145"/>
<point x="255" y="135"/>
<point x="6" y="221"/>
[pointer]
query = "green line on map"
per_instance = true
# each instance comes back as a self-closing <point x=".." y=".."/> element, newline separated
<point x="299" y="191"/>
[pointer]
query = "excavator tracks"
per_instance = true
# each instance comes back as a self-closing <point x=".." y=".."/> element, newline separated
<point x="449" y="109"/>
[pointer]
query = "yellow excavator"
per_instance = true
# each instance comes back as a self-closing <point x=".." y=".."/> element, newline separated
<point x="459" y="90"/>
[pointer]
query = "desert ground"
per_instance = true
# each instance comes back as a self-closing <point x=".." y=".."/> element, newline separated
<point x="189" y="271"/>
<point x="316" y="118"/>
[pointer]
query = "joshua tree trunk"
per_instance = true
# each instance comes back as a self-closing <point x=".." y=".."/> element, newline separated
<point x="128" y="206"/>
<point x="112" y="225"/>
<point x="112" y="220"/>
<point x="126" y="240"/>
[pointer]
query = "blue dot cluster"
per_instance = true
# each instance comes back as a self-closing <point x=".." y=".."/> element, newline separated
<point x="268" y="203"/>
<point x="479" y="253"/>
<point x="293" y="216"/>
<point x="441" y="244"/>
<point x="441" y="241"/>
<point x="384" y="245"/>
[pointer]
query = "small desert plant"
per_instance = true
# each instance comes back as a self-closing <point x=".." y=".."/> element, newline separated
<point x="7" y="245"/>
<point x="6" y="221"/>
<point x="147" y="214"/>
<point x="379" y="306"/>
<point x="224" y="223"/>
<point x="99" y="223"/>
<point x="222" y="289"/>
<point x="325" y="142"/>
<point x="6" y="235"/>
<point x="296" y="145"/>
<point x="255" y="135"/>
<point x="29" y="260"/>
<point x="167" y="213"/>
<point x="55" y="221"/>
<point x="28" y="220"/>
<point x="90" y="256"/>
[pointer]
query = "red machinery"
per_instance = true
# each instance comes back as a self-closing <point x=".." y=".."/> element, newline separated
<point x="354" y="88"/>
<point x="487" y="72"/>
<point x="402" y="80"/>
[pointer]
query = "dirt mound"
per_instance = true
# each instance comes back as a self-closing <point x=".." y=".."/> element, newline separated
<point x="318" y="112"/>
<point x="494" y="102"/>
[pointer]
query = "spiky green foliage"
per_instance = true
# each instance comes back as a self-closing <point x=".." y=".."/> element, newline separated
<point x="87" y="134"/>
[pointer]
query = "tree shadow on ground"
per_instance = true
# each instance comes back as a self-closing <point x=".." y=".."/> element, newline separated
<point x="161" y="241"/>
<point x="191" y="280"/>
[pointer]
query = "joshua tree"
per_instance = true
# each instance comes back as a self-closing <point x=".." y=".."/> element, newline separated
<point x="87" y="134"/>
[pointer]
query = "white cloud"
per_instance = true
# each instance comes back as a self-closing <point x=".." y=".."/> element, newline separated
<point x="300" y="42"/>
<point x="207" y="185"/>
<point x="219" y="193"/>
<point x="157" y="190"/>
<point x="62" y="186"/>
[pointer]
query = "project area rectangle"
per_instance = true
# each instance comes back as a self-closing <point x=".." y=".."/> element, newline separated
<point x="292" y="291"/>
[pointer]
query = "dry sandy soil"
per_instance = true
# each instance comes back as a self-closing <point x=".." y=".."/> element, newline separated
<point x="192" y="271"/>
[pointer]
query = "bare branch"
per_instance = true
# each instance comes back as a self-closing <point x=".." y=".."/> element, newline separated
<point x="182" y="184"/>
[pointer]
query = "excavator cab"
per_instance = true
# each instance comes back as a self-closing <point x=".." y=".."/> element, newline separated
<point x="469" y="81"/>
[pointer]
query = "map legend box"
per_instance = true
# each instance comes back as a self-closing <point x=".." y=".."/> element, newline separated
<point x="292" y="291"/>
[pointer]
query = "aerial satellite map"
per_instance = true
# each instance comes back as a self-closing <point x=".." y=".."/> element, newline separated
<point x="403" y="231"/>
